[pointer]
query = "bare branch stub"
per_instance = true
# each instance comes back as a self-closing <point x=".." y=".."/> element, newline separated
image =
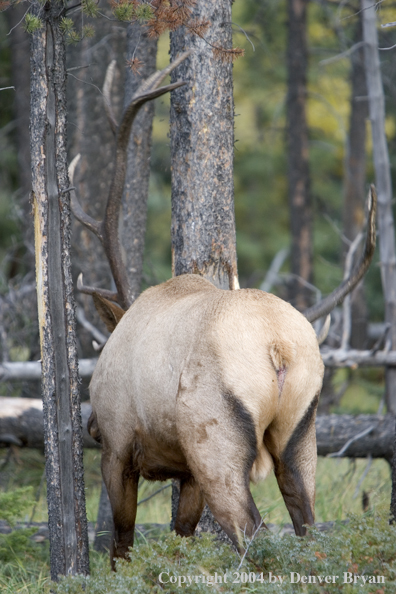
<point x="107" y="230"/>
<point x="337" y="296"/>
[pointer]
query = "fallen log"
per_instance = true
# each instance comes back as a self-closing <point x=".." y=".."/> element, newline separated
<point x="31" y="370"/>
<point x="21" y="424"/>
<point x="355" y="436"/>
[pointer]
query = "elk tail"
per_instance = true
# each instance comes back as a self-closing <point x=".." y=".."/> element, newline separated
<point x="282" y="354"/>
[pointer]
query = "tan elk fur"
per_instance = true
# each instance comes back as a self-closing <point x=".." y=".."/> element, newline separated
<point x="215" y="388"/>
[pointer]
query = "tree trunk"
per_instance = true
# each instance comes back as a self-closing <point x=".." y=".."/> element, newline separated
<point x="354" y="181"/>
<point x="297" y="150"/>
<point x="384" y="186"/>
<point x="393" y="497"/>
<point x="61" y="402"/>
<point x="21" y="424"/>
<point x="202" y="142"/>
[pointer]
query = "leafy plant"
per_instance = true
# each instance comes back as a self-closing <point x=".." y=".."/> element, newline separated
<point x="17" y="544"/>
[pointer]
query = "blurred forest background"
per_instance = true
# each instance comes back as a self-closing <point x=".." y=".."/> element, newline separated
<point x="261" y="166"/>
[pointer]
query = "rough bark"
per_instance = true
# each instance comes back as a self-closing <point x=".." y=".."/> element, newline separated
<point x="354" y="181"/>
<point x="297" y="153"/>
<point x="202" y="143"/>
<point x="393" y="496"/>
<point x="61" y="402"/>
<point x="383" y="184"/>
<point x="21" y="425"/>
<point x="202" y="138"/>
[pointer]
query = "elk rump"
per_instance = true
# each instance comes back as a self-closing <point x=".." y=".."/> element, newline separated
<point x="214" y="388"/>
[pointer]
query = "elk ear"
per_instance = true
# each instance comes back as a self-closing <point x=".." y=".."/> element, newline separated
<point x="109" y="312"/>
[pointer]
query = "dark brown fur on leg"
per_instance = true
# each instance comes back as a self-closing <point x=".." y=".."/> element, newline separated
<point x="296" y="498"/>
<point x="191" y="504"/>
<point x="122" y="486"/>
<point x="295" y="470"/>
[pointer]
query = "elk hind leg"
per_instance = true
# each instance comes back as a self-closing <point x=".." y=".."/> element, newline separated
<point x="191" y="504"/>
<point x="122" y="486"/>
<point x="220" y="449"/>
<point x="295" y="469"/>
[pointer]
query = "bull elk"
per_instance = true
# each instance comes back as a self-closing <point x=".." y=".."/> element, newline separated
<point x="211" y="387"/>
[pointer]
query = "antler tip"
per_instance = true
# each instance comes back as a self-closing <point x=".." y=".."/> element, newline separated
<point x="73" y="165"/>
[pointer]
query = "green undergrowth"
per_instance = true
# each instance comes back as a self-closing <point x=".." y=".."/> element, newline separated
<point x="361" y="545"/>
<point x="364" y="546"/>
<point x="23" y="563"/>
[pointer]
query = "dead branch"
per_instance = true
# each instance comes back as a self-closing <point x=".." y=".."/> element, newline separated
<point x="353" y="358"/>
<point x="337" y="296"/>
<point x="96" y="334"/>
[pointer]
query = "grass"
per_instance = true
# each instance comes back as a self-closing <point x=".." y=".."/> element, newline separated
<point x="336" y="484"/>
<point x="363" y="546"/>
<point x="24" y="567"/>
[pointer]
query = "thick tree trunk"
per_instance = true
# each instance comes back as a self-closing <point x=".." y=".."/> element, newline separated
<point x="354" y="182"/>
<point x="21" y="424"/>
<point x="61" y="402"/>
<point x="383" y="183"/>
<point x="393" y="497"/>
<point x="297" y="148"/>
<point x="202" y="143"/>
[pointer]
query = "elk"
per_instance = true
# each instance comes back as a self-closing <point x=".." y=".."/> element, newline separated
<point x="212" y="387"/>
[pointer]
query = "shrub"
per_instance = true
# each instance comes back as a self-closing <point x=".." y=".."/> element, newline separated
<point x="364" y="546"/>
